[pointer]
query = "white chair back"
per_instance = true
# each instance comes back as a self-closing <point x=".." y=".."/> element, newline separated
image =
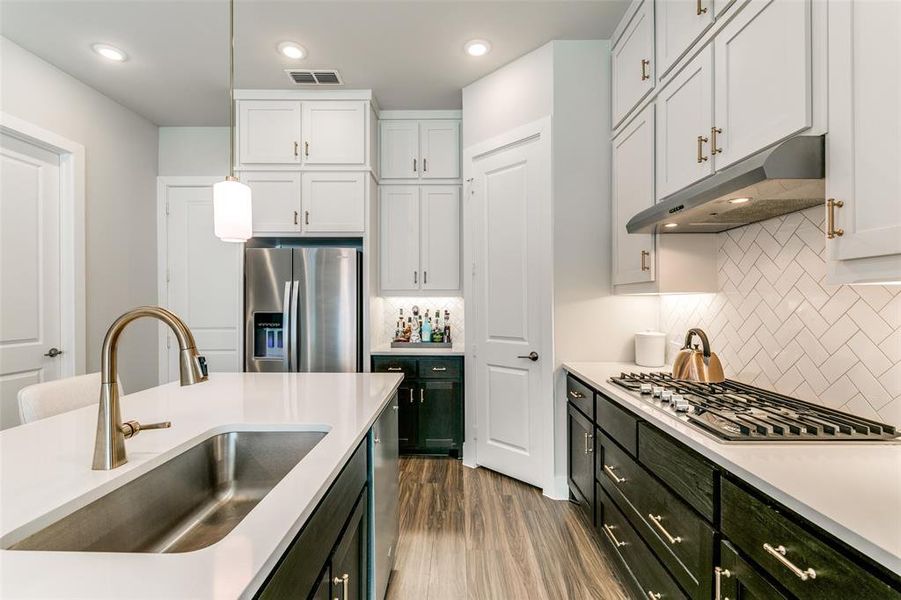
<point x="43" y="400"/>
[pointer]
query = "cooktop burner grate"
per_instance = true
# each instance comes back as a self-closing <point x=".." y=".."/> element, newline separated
<point x="735" y="411"/>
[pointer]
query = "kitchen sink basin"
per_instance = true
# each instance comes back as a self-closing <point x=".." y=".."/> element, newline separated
<point x="189" y="502"/>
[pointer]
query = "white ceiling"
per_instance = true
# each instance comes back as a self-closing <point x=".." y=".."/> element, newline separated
<point x="409" y="52"/>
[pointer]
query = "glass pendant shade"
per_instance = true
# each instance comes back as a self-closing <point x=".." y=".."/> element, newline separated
<point x="232" y="215"/>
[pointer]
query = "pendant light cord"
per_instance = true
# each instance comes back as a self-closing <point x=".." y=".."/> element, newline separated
<point x="231" y="89"/>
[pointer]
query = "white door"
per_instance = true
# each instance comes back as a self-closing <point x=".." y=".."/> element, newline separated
<point x="440" y="218"/>
<point x="334" y="133"/>
<point x="29" y="271"/>
<point x="276" y="200"/>
<point x="399" y="238"/>
<point x="205" y="280"/>
<point x="399" y="149"/>
<point x="268" y="132"/>
<point x="684" y="119"/>
<point x="679" y="24"/>
<point x="440" y="147"/>
<point x="633" y="64"/>
<point x="633" y="191"/>
<point x="864" y="141"/>
<point x="512" y="284"/>
<point x="333" y="202"/>
<point x="762" y="77"/>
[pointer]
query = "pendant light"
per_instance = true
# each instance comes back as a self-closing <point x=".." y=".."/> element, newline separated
<point x="232" y="216"/>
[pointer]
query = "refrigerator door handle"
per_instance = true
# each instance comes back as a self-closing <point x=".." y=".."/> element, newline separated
<point x="295" y="322"/>
<point x="286" y="325"/>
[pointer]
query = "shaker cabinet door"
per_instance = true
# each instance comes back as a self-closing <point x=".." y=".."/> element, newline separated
<point x="633" y="62"/>
<point x="440" y="416"/>
<point x="399" y="237"/>
<point x="679" y="23"/>
<point x="399" y="149"/>
<point x="440" y="149"/>
<point x="440" y="227"/>
<point x="276" y="200"/>
<point x="268" y="132"/>
<point x="334" y="133"/>
<point x="333" y="202"/>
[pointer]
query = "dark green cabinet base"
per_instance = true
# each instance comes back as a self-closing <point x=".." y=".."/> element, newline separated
<point x="430" y="402"/>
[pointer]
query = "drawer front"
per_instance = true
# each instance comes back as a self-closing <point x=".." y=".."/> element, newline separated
<point x="738" y="579"/>
<point x="580" y="435"/>
<point x="580" y="395"/>
<point x="804" y="563"/>
<point x="682" y="540"/>
<point x="688" y="474"/>
<point x="388" y="364"/>
<point x="616" y="422"/>
<point x="623" y="542"/>
<point x="440" y="368"/>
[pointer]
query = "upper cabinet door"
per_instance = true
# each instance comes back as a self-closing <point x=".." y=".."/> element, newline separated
<point x="440" y="149"/>
<point x="763" y="77"/>
<point x="679" y="24"/>
<point x="333" y="202"/>
<point x="633" y="62"/>
<point x="440" y="218"/>
<point x="334" y="133"/>
<point x="399" y="149"/>
<point x="633" y="191"/>
<point x="684" y="121"/>
<point x="399" y="237"/>
<point x="268" y="132"/>
<point x="276" y="200"/>
<point x="863" y="148"/>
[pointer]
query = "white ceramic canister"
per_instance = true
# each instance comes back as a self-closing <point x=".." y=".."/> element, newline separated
<point x="650" y="349"/>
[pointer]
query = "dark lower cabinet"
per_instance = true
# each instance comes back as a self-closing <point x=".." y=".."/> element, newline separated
<point x="737" y="580"/>
<point x="581" y="459"/>
<point x="324" y="589"/>
<point x="430" y="419"/>
<point x="348" y="565"/>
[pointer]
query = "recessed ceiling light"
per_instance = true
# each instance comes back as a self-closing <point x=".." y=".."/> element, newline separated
<point x="292" y="50"/>
<point x="671" y="225"/>
<point x="477" y="47"/>
<point x="739" y="200"/>
<point x="109" y="52"/>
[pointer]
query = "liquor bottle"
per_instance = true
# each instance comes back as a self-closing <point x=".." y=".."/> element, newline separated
<point x="415" y="335"/>
<point x="437" y="332"/>
<point x="447" y="328"/>
<point x="426" y="328"/>
<point x="408" y="329"/>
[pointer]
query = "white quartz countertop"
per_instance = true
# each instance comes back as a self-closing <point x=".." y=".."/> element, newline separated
<point x="852" y="490"/>
<point x="46" y="474"/>
<point x="385" y="349"/>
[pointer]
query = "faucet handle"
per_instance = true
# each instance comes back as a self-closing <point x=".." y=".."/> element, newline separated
<point x="132" y="428"/>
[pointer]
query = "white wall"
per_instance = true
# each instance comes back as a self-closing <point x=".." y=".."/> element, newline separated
<point x="120" y="200"/>
<point x="193" y="151"/>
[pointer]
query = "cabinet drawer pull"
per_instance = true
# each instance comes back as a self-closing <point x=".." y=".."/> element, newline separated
<point x="644" y="255"/>
<point x="656" y="521"/>
<point x="295" y="150"/>
<point x="395" y="368"/>
<point x="414" y="165"/>
<point x="306" y="149"/>
<point x="831" y="231"/>
<point x="701" y="141"/>
<point x="439" y="369"/>
<point x="654" y="595"/>
<point x="779" y="554"/>
<point x="411" y="395"/>
<point x="306" y="217"/>
<point x="415" y="276"/>
<point x="609" y="531"/>
<point x="714" y="149"/>
<point x="421" y="395"/>
<point x="699" y="9"/>
<point x="575" y="394"/>
<point x="644" y="73"/>
<point x="425" y="165"/>
<point x="343" y="582"/>
<point x="425" y="277"/>
<point x="612" y="475"/>
<point x="295" y="217"/>
<point x="718" y="574"/>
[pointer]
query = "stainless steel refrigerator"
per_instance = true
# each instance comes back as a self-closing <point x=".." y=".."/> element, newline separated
<point x="302" y="309"/>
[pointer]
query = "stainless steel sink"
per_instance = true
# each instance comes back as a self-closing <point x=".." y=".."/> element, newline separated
<point x="186" y="503"/>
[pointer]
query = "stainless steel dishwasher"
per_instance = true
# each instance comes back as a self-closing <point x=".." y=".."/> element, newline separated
<point x="384" y="509"/>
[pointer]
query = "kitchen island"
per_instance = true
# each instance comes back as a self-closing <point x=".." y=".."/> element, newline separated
<point x="46" y="474"/>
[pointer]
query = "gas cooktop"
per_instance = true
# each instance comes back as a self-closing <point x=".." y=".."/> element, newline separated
<point x="736" y="412"/>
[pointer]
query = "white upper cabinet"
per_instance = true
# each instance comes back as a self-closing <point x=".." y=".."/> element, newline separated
<point x="863" y="148"/>
<point x="268" y="132"/>
<point x="333" y="202"/>
<point x="399" y="149"/>
<point x="633" y="191"/>
<point x="763" y="77"/>
<point x="679" y="23"/>
<point x="334" y="133"/>
<point x="399" y="237"/>
<point x="684" y="122"/>
<point x="633" y="60"/>
<point x="440" y="149"/>
<point x="425" y="149"/>
<point x="440" y="237"/>
<point x="276" y="200"/>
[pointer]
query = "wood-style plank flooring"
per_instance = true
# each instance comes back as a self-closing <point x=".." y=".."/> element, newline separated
<point x="475" y="534"/>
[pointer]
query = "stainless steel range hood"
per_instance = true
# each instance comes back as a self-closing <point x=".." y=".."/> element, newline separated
<point x="785" y="178"/>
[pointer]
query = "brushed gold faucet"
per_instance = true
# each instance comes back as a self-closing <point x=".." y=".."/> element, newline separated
<point x="109" y="447"/>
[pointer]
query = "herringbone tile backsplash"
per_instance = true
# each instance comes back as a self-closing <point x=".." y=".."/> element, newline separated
<point x="777" y="324"/>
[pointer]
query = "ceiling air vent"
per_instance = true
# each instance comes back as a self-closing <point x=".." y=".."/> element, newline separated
<point x="314" y="77"/>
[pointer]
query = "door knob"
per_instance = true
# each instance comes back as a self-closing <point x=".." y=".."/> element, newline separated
<point x="533" y="356"/>
<point x="53" y="352"/>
